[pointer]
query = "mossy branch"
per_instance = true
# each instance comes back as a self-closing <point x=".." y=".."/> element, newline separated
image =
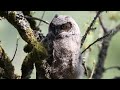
<point x="17" y="19"/>
<point x="28" y="66"/>
<point x="6" y="65"/>
<point x="33" y="57"/>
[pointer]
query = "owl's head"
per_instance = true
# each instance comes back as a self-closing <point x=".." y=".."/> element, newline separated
<point x="64" y="25"/>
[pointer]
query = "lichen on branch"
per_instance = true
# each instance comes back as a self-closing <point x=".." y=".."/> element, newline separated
<point x="17" y="19"/>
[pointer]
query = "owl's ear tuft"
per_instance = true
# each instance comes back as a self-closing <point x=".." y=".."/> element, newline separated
<point x="56" y="15"/>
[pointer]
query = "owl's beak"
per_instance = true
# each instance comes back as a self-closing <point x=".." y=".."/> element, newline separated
<point x="58" y="32"/>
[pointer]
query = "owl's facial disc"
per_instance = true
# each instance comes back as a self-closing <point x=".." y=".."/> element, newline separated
<point x="57" y="29"/>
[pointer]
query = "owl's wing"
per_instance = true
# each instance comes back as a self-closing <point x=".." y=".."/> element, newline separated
<point x="48" y="43"/>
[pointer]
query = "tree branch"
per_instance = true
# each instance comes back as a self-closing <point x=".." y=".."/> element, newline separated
<point x="89" y="28"/>
<point x="103" y="53"/>
<point x="38" y="53"/>
<point x="17" y="19"/>
<point x="93" y="70"/>
<point x="32" y="57"/>
<point x="6" y="65"/>
<point x="102" y="25"/>
<point x="46" y="22"/>
<point x="99" y="39"/>
<point x="114" y="67"/>
<point x="15" y="50"/>
<point x="41" y="18"/>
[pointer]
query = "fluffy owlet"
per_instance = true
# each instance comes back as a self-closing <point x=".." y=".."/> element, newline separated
<point x="64" y="40"/>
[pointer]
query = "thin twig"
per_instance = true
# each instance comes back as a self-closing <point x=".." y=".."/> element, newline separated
<point x="15" y="49"/>
<point x="93" y="70"/>
<point x="114" y="67"/>
<point x="41" y="18"/>
<point x="37" y="19"/>
<point x="89" y="28"/>
<point x="99" y="39"/>
<point x="102" y="25"/>
<point x="85" y="67"/>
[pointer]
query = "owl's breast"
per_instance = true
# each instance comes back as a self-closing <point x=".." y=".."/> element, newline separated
<point x="68" y="43"/>
<point x="66" y="52"/>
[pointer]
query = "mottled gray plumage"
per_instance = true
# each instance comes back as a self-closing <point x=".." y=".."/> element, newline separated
<point x="64" y="40"/>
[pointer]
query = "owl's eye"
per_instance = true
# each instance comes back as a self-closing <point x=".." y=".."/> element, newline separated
<point x="66" y="26"/>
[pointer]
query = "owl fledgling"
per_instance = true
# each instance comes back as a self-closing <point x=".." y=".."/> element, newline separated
<point x="64" y="40"/>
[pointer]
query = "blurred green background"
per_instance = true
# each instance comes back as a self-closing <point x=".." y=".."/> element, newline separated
<point x="8" y="36"/>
